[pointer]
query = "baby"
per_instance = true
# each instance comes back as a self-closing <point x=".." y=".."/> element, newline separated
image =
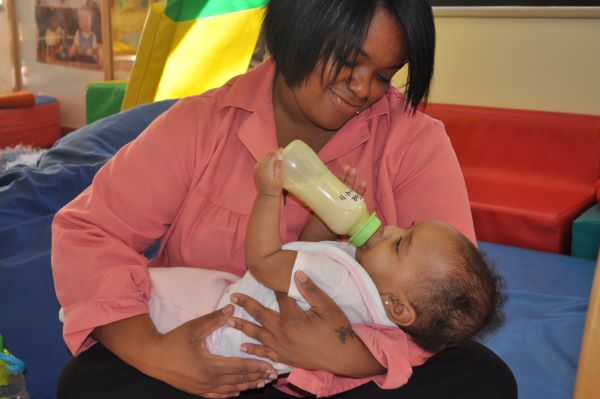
<point x="433" y="283"/>
<point x="54" y="37"/>
<point x="427" y="281"/>
<point x="85" y="43"/>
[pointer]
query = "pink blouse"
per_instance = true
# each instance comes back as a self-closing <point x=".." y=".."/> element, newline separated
<point x="187" y="179"/>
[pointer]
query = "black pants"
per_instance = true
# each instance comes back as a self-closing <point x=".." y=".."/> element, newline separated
<point x="468" y="372"/>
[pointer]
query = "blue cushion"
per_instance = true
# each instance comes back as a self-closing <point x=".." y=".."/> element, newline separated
<point x="29" y="198"/>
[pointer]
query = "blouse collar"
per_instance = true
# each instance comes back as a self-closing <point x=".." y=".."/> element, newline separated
<point x="253" y="92"/>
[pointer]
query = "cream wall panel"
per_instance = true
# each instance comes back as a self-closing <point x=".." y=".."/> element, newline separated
<point x="548" y="64"/>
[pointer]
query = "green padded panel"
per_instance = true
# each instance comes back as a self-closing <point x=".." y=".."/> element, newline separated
<point x="586" y="234"/>
<point x="103" y="99"/>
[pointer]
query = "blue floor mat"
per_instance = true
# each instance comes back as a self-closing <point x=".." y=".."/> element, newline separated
<point x="548" y="296"/>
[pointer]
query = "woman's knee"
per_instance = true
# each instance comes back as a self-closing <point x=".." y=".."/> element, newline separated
<point x="470" y="371"/>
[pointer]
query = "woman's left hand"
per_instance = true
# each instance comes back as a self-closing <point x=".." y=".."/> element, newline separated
<point x="312" y="339"/>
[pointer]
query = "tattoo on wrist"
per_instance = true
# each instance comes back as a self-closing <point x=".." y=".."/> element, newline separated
<point x="345" y="333"/>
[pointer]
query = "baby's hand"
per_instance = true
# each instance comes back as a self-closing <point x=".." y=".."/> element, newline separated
<point x="268" y="174"/>
<point x="348" y="177"/>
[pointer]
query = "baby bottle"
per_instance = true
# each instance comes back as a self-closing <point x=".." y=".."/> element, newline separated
<point x="12" y="383"/>
<point x="339" y="207"/>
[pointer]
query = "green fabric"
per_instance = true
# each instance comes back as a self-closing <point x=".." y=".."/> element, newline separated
<point x="187" y="10"/>
<point x="103" y="99"/>
<point x="586" y="234"/>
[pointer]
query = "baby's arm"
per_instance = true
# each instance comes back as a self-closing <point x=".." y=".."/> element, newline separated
<point x="265" y="259"/>
<point x="315" y="230"/>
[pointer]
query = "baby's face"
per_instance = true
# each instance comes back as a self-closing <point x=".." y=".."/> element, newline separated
<point x="53" y="22"/>
<point x="85" y="22"/>
<point x="398" y="259"/>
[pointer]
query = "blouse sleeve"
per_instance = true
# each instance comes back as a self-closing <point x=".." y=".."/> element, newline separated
<point x="99" y="270"/>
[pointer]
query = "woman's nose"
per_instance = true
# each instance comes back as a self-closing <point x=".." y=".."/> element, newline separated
<point x="360" y="83"/>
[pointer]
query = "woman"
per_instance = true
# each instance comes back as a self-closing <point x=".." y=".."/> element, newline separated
<point x="187" y="180"/>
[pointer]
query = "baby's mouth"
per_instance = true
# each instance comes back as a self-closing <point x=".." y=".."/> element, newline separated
<point x="373" y="238"/>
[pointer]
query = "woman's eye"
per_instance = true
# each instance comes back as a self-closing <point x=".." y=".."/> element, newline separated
<point x="384" y="79"/>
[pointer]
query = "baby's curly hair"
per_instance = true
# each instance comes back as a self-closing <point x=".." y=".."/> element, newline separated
<point x="461" y="305"/>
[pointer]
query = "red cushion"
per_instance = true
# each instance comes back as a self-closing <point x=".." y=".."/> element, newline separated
<point x="528" y="173"/>
<point x="19" y="99"/>
<point x="550" y="144"/>
<point x="515" y="210"/>
<point x="38" y="126"/>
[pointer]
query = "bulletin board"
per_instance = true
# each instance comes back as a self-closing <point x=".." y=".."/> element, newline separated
<point x="59" y="46"/>
<point x="70" y="34"/>
<point x="62" y="72"/>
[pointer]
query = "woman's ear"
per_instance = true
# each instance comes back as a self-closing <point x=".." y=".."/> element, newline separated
<point x="399" y="309"/>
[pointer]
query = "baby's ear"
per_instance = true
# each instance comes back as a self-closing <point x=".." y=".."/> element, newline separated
<point x="399" y="309"/>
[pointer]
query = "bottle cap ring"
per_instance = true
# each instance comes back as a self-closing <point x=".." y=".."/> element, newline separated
<point x="366" y="231"/>
<point x="13" y="364"/>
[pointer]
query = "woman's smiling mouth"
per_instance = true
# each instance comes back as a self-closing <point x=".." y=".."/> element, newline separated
<point x="343" y="104"/>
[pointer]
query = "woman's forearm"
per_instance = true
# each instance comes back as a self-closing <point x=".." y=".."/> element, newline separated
<point x="354" y="360"/>
<point x="133" y="340"/>
<point x="181" y="358"/>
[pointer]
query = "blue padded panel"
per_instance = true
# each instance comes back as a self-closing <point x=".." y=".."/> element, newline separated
<point x="546" y="310"/>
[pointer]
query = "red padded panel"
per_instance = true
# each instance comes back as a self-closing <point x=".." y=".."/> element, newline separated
<point x="37" y="126"/>
<point x="533" y="214"/>
<point x="551" y="144"/>
<point x="529" y="173"/>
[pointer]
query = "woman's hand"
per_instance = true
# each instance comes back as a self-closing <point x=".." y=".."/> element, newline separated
<point x="319" y="338"/>
<point x="315" y="229"/>
<point x="348" y="177"/>
<point x="181" y="359"/>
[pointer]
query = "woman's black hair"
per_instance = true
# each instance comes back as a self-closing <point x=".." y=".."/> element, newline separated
<point x="302" y="34"/>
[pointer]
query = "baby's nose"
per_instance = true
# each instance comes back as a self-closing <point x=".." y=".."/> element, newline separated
<point x="391" y="230"/>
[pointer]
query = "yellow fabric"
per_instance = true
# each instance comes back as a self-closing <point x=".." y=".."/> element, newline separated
<point x="177" y="59"/>
<point x="152" y="51"/>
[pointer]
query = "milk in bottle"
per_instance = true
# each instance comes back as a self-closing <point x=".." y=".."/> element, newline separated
<point x="339" y="207"/>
